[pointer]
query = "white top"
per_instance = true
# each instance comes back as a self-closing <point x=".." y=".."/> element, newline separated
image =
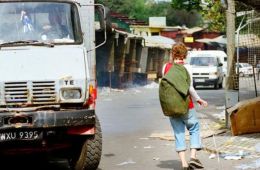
<point x="192" y="91"/>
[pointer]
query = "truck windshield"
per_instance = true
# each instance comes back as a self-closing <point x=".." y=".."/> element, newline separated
<point x="39" y="21"/>
<point x="203" y="61"/>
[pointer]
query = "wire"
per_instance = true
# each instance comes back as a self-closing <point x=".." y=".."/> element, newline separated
<point x="215" y="144"/>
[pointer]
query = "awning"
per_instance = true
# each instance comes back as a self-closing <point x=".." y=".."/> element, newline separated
<point x="245" y="40"/>
<point x="127" y="34"/>
<point x="158" y="41"/>
<point x="220" y="40"/>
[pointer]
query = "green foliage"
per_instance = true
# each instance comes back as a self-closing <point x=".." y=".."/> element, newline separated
<point x="212" y="12"/>
<point x="183" y="18"/>
<point x="123" y="6"/>
<point x="215" y="16"/>
<point x="143" y="9"/>
<point x="188" y="5"/>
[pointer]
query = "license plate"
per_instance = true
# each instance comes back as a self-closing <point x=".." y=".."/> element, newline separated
<point x="20" y="135"/>
<point x="199" y="80"/>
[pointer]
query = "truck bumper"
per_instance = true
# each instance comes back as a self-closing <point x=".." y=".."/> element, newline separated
<point x="53" y="129"/>
<point x="46" y="119"/>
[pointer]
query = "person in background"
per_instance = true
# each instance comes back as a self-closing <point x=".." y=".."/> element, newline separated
<point x="27" y="23"/>
<point x="189" y="120"/>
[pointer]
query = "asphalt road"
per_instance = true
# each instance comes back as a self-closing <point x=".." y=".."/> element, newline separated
<point x="129" y="118"/>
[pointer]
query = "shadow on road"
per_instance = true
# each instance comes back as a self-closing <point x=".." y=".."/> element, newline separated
<point x="170" y="164"/>
<point x="33" y="162"/>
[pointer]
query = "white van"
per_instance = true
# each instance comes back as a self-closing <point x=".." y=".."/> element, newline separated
<point x="207" y="67"/>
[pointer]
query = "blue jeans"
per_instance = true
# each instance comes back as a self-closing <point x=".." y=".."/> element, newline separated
<point x="191" y="122"/>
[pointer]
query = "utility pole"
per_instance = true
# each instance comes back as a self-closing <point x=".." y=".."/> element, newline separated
<point x="232" y="84"/>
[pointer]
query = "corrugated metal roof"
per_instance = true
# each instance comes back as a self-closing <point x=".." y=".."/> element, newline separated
<point x="158" y="41"/>
<point x="127" y="34"/>
<point x="192" y="30"/>
<point x="165" y="28"/>
<point x="150" y="41"/>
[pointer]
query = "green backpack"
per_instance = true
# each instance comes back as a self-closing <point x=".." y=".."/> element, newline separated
<point x="174" y="91"/>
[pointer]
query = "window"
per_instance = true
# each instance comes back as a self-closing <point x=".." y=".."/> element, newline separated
<point x="39" y="21"/>
<point x="204" y="61"/>
<point x="155" y="33"/>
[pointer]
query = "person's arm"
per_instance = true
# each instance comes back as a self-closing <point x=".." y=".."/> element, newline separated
<point x="192" y="91"/>
<point x="163" y="69"/>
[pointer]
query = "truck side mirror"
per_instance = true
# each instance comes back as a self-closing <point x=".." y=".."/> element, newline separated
<point x="102" y="14"/>
<point x="220" y="64"/>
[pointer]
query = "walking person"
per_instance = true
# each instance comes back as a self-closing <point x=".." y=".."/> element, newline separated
<point x="189" y="120"/>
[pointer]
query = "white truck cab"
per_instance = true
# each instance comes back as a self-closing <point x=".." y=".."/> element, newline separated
<point x="207" y="68"/>
<point x="48" y="79"/>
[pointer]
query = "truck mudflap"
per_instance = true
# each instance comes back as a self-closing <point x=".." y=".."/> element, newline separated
<point x="46" y="119"/>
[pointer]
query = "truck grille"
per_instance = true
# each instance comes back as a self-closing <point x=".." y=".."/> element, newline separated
<point x="16" y="92"/>
<point x="38" y="92"/>
<point x="43" y="92"/>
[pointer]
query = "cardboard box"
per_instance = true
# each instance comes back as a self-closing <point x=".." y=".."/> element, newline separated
<point x="245" y="117"/>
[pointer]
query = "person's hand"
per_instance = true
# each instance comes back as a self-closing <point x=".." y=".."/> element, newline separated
<point x="46" y="27"/>
<point x="202" y="103"/>
<point x="23" y="13"/>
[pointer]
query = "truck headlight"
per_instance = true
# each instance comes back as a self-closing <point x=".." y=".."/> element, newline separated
<point x="71" y="94"/>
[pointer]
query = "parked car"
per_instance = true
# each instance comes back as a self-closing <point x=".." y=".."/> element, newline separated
<point x="258" y="70"/>
<point x="244" y="69"/>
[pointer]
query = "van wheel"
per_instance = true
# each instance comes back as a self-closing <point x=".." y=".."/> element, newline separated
<point x="88" y="155"/>
<point x="216" y="85"/>
<point x="221" y="84"/>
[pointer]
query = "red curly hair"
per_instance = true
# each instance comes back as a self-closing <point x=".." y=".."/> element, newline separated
<point x="179" y="51"/>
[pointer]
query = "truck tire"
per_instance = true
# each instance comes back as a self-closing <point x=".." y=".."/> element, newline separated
<point x="88" y="157"/>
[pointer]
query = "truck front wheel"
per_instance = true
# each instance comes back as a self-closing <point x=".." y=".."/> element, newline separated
<point x="88" y="156"/>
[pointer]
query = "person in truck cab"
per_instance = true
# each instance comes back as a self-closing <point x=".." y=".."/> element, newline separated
<point x="55" y="29"/>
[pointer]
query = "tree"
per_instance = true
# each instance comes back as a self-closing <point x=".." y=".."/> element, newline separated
<point x="214" y="15"/>
<point x="188" y="5"/>
<point x="183" y="18"/>
<point x="134" y="8"/>
<point x="123" y="6"/>
<point x="143" y="9"/>
<point x="211" y="11"/>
